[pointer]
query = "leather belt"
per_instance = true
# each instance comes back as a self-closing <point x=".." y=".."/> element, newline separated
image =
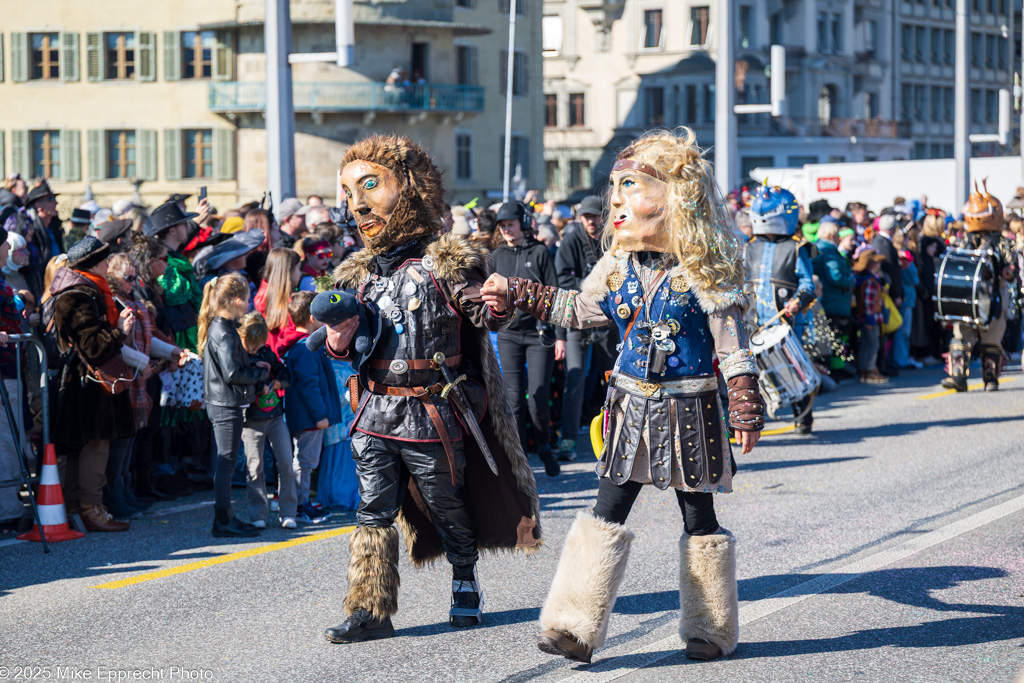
<point x="423" y="394"/>
<point x="415" y="363"/>
<point x="658" y="390"/>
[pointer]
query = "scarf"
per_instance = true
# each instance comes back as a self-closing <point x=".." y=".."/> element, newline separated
<point x="386" y="262"/>
<point x="108" y="296"/>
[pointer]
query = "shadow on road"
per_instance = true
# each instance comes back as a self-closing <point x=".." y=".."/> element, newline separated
<point x="782" y="464"/>
<point x="859" y="435"/>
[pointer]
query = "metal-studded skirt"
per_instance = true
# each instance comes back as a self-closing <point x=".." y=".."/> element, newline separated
<point x="670" y="434"/>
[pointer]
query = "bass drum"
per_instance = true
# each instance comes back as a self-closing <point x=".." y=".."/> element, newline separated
<point x="966" y="290"/>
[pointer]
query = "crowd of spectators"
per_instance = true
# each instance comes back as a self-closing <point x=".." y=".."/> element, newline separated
<point x="176" y="362"/>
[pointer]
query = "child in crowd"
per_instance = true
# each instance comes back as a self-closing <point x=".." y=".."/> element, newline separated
<point x="230" y="381"/>
<point x="264" y="420"/>
<point x="868" y="311"/>
<point x="316" y="258"/>
<point x="312" y="400"/>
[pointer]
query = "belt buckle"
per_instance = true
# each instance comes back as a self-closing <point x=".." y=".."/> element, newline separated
<point x="648" y="389"/>
<point x="399" y="367"/>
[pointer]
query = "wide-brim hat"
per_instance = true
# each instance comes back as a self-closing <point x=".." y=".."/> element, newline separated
<point x="211" y="258"/>
<point x="178" y="197"/>
<point x="166" y="216"/>
<point x="81" y="217"/>
<point x="110" y="231"/>
<point x="864" y="256"/>
<point x="87" y="252"/>
<point x="39" y="192"/>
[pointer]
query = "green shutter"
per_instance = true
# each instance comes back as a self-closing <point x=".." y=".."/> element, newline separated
<point x="21" y="155"/>
<point x="224" y="153"/>
<point x="146" y="151"/>
<point x="172" y="55"/>
<point x="1" y="57"/>
<point x="172" y="153"/>
<point x="3" y="153"/>
<point x="69" y="57"/>
<point x="97" y="156"/>
<point x="223" y="57"/>
<point x="94" y="56"/>
<point x="19" y="57"/>
<point x="146" y="42"/>
<point x="71" y="155"/>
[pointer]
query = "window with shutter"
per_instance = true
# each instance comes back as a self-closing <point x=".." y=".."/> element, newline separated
<point x="224" y="57"/>
<point x="224" y="154"/>
<point x="172" y="55"/>
<point x="122" y="154"/>
<point x="147" y="55"/>
<point x="1" y="58"/>
<point x="44" y="56"/>
<point x="20" y="157"/>
<point x="46" y="154"/>
<point x="19" y="57"/>
<point x="69" y="57"/>
<point x="197" y="54"/>
<point x="197" y="153"/>
<point x="147" y="154"/>
<point x="71" y="157"/>
<point x="121" y="55"/>
<point x="94" y="56"/>
<point x="97" y="155"/>
<point x="172" y="153"/>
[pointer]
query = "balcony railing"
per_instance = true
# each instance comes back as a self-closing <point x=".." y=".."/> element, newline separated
<point x="812" y="127"/>
<point x="237" y="97"/>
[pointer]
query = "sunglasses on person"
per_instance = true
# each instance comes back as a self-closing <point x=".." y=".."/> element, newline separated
<point x="325" y="252"/>
<point x="131" y="279"/>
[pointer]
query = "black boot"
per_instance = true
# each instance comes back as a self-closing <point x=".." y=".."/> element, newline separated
<point x="467" y="598"/>
<point x="361" y="625"/>
<point x="113" y="500"/>
<point x="551" y="466"/>
<point x="958" y="368"/>
<point x="227" y="526"/>
<point x="991" y="366"/>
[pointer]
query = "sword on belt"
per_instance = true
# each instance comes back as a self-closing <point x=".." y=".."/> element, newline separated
<point x="453" y="393"/>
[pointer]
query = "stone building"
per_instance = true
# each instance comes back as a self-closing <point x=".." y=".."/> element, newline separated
<point x="866" y="79"/>
<point x="173" y="93"/>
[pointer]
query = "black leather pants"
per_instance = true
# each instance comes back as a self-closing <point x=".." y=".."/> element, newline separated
<point x="383" y="467"/>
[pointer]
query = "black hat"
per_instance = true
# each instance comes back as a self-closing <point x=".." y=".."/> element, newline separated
<point x="178" y="197"/>
<point x="38" y="192"/>
<point x="165" y="216"/>
<point x="591" y="204"/>
<point x="110" y="231"/>
<point x="512" y="211"/>
<point x="87" y="252"/>
<point x="212" y="258"/>
<point x="81" y="217"/>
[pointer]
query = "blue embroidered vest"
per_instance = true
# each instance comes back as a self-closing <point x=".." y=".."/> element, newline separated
<point x="689" y="336"/>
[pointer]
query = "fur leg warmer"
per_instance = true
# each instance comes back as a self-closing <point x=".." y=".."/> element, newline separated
<point x="373" y="571"/>
<point x="590" y="570"/>
<point x="708" y="596"/>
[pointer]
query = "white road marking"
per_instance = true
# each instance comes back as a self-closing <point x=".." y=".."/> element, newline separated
<point x="624" y="665"/>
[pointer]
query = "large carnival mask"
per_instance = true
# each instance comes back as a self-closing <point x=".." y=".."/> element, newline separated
<point x="774" y="211"/>
<point x="393" y="189"/>
<point x="983" y="212"/>
<point x="638" y="199"/>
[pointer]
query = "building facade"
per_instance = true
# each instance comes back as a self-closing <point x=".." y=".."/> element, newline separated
<point x="854" y="90"/>
<point x="107" y="92"/>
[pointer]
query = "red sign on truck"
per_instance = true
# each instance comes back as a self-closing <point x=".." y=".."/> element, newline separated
<point x="828" y="184"/>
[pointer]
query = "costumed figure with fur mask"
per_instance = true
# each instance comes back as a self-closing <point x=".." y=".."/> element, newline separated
<point x="780" y="273"/>
<point x="983" y="220"/>
<point x="671" y="280"/>
<point x="434" y="440"/>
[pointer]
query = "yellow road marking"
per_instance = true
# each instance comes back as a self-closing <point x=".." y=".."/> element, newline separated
<point x="772" y="432"/>
<point x="947" y="392"/>
<point x="221" y="559"/>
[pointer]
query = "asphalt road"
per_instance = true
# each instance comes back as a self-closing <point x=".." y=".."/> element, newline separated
<point x="887" y="547"/>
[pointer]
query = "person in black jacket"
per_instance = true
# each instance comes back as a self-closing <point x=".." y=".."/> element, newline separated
<point x="888" y="224"/>
<point x="230" y="382"/>
<point x="525" y="347"/>
<point x="578" y="253"/>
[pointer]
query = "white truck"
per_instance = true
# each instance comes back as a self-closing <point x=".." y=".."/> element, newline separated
<point x="876" y="183"/>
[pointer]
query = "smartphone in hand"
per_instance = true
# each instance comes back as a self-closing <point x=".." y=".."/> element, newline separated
<point x="202" y="193"/>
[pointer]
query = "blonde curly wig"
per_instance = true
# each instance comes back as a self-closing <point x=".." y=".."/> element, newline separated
<point x="701" y="236"/>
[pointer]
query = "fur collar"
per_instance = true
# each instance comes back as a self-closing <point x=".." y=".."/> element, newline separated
<point x="595" y="286"/>
<point x="453" y="258"/>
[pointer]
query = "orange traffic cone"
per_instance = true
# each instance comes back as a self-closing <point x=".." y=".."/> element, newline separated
<point x="50" y="503"/>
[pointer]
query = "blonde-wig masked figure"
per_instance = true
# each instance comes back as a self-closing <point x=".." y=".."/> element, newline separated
<point x="671" y="280"/>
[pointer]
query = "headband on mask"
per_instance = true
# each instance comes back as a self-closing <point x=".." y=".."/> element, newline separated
<point x="630" y="164"/>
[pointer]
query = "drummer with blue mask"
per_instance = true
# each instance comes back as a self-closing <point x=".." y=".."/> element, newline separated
<point x="779" y="272"/>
